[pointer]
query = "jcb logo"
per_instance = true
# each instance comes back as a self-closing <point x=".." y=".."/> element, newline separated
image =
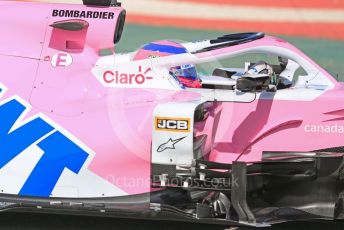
<point x="172" y="124"/>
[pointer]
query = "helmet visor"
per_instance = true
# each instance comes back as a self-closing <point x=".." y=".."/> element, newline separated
<point x="187" y="71"/>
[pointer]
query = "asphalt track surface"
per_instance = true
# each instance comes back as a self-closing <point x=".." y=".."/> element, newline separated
<point x="10" y="221"/>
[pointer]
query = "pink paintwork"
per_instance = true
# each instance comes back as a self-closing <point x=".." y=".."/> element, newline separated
<point x="117" y="123"/>
<point x="268" y="125"/>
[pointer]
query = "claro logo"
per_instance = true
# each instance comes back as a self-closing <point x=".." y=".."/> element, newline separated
<point x="116" y="77"/>
<point x="172" y="124"/>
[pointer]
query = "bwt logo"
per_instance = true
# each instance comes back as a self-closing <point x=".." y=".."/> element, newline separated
<point x="16" y="136"/>
<point x="127" y="78"/>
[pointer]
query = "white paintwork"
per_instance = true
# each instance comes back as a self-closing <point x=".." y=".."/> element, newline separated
<point x="182" y="155"/>
<point x="215" y="80"/>
<point x="17" y="171"/>
<point x="112" y="60"/>
<point x="225" y="95"/>
<point x="85" y="184"/>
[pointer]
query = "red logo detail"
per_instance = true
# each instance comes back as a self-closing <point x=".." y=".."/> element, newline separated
<point x="127" y="78"/>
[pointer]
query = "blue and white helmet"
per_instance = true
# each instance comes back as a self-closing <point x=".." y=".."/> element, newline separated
<point x="187" y="71"/>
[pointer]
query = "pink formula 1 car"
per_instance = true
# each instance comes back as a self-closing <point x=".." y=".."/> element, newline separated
<point x="240" y="130"/>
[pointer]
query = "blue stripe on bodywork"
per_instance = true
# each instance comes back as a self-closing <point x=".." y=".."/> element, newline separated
<point x="59" y="153"/>
<point x="14" y="142"/>
<point x="165" y="48"/>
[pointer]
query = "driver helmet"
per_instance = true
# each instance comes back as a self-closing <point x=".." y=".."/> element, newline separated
<point x="187" y="75"/>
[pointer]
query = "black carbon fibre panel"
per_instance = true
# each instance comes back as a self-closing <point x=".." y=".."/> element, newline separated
<point x="339" y="149"/>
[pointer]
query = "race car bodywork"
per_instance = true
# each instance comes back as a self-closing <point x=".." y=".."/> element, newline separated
<point x="90" y="132"/>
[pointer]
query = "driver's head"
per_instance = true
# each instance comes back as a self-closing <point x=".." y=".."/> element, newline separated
<point x="187" y="75"/>
<point x="186" y="71"/>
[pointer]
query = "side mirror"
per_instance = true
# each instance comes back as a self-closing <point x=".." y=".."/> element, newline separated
<point x="119" y="27"/>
